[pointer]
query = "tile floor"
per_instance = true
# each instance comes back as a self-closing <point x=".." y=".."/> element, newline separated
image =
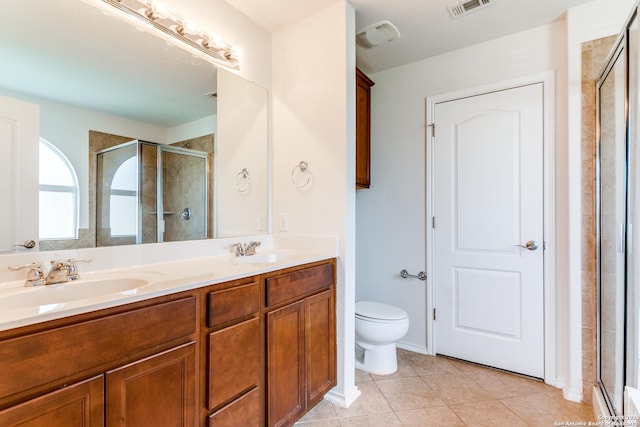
<point x="436" y="391"/>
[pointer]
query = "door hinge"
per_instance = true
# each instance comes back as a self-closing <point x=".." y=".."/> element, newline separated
<point x="433" y="129"/>
<point x="434" y="314"/>
<point x="433" y="222"/>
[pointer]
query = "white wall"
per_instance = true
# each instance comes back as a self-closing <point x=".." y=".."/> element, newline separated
<point x="313" y="120"/>
<point x="391" y="215"/>
<point x="242" y="120"/>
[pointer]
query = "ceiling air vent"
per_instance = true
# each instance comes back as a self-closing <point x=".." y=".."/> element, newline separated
<point x="464" y="7"/>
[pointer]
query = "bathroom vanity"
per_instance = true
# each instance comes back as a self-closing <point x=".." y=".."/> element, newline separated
<point x="255" y="346"/>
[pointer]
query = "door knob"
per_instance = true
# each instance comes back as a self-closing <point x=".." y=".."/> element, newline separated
<point x="532" y="245"/>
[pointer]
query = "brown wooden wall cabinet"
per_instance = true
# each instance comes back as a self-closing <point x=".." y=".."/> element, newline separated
<point x="363" y="130"/>
<point x="195" y="358"/>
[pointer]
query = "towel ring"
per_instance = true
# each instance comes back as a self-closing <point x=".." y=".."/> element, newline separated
<point x="298" y="174"/>
<point x="243" y="181"/>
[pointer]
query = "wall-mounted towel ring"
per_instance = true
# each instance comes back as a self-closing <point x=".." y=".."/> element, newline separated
<point x="243" y="181"/>
<point x="301" y="175"/>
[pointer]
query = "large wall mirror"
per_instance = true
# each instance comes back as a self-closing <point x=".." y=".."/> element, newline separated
<point x="101" y="83"/>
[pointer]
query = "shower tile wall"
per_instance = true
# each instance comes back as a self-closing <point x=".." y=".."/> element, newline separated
<point x="594" y="54"/>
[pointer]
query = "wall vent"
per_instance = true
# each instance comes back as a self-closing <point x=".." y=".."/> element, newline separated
<point x="465" y="7"/>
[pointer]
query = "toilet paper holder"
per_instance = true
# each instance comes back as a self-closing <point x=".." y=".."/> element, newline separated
<point x="421" y="275"/>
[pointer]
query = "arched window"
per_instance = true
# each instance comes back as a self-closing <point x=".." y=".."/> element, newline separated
<point x="124" y="199"/>
<point x="58" y="194"/>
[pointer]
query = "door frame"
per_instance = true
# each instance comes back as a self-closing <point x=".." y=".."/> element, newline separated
<point x="549" y="286"/>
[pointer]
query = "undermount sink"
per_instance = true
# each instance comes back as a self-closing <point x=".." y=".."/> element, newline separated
<point x="260" y="258"/>
<point x="71" y="291"/>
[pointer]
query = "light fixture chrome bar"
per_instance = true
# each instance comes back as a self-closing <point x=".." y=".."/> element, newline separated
<point x="143" y="11"/>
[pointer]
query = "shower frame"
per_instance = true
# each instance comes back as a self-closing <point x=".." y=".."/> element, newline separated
<point x="160" y="149"/>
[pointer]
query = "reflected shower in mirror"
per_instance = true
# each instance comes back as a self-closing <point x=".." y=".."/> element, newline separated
<point x="151" y="193"/>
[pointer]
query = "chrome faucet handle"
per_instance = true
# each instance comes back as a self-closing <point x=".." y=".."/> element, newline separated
<point x="35" y="276"/>
<point x="250" y="248"/>
<point x="238" y="249"/>
<point x="73" y="267"/>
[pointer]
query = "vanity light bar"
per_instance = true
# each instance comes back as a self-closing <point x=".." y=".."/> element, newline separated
<point x="158" y="17"/>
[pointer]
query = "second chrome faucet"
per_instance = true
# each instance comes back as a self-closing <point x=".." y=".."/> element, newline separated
<point x="245" y="249"/>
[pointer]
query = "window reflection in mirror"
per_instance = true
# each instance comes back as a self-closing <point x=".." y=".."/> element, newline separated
<point x="58" y="187"/>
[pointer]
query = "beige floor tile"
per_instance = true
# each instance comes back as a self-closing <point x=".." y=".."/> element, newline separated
<point x="431" y="365"/>
<point x="408" y="393"/>
<point x="489" y="413"/>
<point x="548" y="408"/>
<point x="370" y="402"/>
<point x="320" y="423"/>
<point x="456" y="389"/>
<point x="501" y="384"/>
<point x="440" y="416"/>
<point x="404" y="370"/>
<point x="388" y="419"/>
<point x="362" y="376"/>
<point x="322" y="411"/>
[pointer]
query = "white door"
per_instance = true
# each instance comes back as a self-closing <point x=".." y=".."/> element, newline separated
<point x="488" y="199"/>
<point x="19" y="136"/>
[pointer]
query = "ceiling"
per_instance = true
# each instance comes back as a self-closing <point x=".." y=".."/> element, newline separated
<point x="425" y="26"/>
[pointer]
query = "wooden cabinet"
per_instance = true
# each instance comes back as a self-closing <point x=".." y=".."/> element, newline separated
<point x="78" y="405"/>
<point x="285" y="364"/>
<point x="301" y="344"/>
<point x="156" y="391"/>
<point x="224" y="355"/>
<point x="234" y="356"/>
<point x="141" y="364"/>
<point x="363" y="130"/>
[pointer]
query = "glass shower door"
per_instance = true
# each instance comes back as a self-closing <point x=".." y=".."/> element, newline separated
<point x="612" y="205"/>
<point x="184" y="194"/>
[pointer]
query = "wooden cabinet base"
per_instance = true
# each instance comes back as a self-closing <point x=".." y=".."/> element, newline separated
<point x="78" y="405"/>
<point x="242" y="412"/>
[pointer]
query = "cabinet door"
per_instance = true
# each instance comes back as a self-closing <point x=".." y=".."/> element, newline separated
<point x="320" y="345"/>
<point x="158" y="391"/>
<point x="78" y="405"/>
<point x="234" y="361"/>
<point x="285" y="364"/>
<point x="363" y="129"/>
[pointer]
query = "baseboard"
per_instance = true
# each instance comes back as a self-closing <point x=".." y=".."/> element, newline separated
<point x="412" y="347"/>
<point x="343" y="400"/>
<point x="600" y="408"/>
<point x="572" y="395"/>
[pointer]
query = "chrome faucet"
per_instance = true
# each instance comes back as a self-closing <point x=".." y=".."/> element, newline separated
<point x="245" y="249"/>
<point x="64" y="271"/>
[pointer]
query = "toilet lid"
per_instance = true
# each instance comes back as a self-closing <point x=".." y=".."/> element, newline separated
<point x="376" y="310"/>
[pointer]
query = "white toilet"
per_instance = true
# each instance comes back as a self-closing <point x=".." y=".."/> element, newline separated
<point x="378" y="327"/>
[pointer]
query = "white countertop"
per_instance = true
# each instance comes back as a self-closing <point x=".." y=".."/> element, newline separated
<point x="21" y="306"/>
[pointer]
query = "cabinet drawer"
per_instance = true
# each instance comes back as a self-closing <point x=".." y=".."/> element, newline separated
<point x="233" y="303"/>
<point x="234" y="361"/>
<point x="242" y="412"/>
<point x="51" y="356"/>
<point x="291" y="286"/>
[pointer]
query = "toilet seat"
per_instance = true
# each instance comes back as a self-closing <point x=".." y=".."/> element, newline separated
<point x="375" y="311"/>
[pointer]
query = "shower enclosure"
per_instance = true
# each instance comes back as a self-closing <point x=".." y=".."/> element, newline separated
<point x="151" y="193"/>
<point x="618" y="240"/>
